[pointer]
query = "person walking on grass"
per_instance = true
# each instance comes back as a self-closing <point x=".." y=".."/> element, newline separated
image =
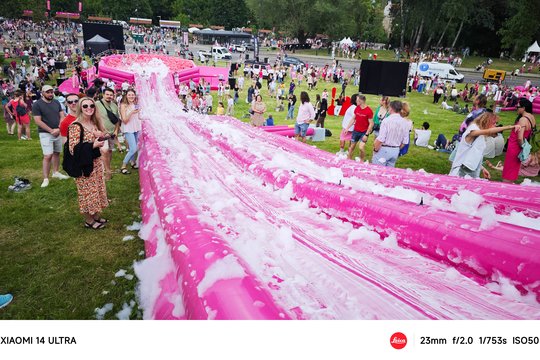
<point x="362" y="123"/>
<point x="47" y="115"/>
<point x="306" y="114"/>
<point x="131" y="126"/>
<point x="91" y="190"/>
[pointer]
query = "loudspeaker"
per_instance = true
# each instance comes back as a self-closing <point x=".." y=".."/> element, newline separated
<point x="383" y="77"/>
<point x="232" y="82"/>
<point x="60" y="65"/>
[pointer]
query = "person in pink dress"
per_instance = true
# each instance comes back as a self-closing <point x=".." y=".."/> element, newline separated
<point x="527" y="121"/>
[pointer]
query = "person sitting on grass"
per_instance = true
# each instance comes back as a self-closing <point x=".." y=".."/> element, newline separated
<point x="470" y="151"/>
<point x="269" y="121"/>
<point x="422" y="135"/>
<point x="445" y="106"/>
<point x="220" y="109"/>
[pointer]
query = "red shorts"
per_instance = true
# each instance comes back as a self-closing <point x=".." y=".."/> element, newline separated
<point x="345" y="135"/>
<point x="23" y="120"/>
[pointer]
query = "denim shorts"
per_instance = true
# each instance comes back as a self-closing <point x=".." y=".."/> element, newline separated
<point x="301" y="129"/>
<point x="357" y="136"/>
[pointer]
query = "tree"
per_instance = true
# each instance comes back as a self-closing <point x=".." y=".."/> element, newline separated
<point x="522" y="27"/>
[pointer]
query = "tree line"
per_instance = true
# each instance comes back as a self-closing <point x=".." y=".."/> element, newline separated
<point x="486" y="26"/>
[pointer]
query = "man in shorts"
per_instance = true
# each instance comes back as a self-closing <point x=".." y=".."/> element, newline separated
<point x="47" y="115"/>
<point x="363" y="126"/>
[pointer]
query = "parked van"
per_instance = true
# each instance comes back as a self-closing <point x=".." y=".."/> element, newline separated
<point x="221" y="53"/>
<point x="442" y="70"/>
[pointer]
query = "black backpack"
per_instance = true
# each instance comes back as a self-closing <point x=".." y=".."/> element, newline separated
<point x="21" y="110"/>
<point x="69" y="163"/>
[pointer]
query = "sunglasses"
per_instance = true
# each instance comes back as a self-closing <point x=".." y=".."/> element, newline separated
<point x="86" y="106"/>
<point x="72" y="101"/>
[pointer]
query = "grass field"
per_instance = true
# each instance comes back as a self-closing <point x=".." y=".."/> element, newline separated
<point x="56" y="269"/>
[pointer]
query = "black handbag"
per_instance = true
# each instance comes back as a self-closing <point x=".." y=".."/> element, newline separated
<point x="112" y="117"/>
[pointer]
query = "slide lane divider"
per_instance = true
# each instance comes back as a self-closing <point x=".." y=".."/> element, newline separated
<point x="439" y="234"/>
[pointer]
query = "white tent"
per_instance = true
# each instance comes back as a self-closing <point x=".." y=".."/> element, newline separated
<point x="346" y="41"/>
<point x="192" y="29"/>
<point x="534" y="48"/>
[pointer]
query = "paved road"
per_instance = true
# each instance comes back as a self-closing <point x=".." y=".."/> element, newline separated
<point x="471" y="76"/>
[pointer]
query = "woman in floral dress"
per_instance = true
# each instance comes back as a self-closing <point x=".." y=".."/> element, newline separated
<point x="91" y="189"/>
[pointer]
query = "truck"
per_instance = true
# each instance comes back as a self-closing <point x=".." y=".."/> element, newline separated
<point x="494" y="75"/>
<point x="442" y="70"/>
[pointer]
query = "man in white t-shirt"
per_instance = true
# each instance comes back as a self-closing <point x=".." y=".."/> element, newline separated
<point x="421" y="136"/>
<point x="125" y="86"/>
<point x="346" y="134"/>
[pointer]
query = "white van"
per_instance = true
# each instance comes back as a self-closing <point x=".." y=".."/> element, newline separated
<point x="221" y="53"/>
<point x="442" y="70"/>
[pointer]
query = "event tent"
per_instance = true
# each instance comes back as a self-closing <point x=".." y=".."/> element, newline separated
<point x="98" y="44"/>
<point x="346" y="41"/>
<point x="534" y="48"/>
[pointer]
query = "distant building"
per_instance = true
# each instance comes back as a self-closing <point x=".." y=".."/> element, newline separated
<point x="221" y="36"/>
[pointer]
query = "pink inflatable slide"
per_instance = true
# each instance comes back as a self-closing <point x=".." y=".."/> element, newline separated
<point x="243" y="224"/>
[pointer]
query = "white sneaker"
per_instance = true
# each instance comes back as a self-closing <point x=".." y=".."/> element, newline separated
<point x="60" y="176"/>
<point x="45" y="183"/>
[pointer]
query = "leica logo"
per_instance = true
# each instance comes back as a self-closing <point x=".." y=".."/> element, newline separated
<point x="398" y="340"/>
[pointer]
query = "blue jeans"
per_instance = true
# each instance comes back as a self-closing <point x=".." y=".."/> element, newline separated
<point x="290" y="114"/>
<point x="133" y="141"/>
<point x="386" y="156"/>
<point x="301" y="129"/>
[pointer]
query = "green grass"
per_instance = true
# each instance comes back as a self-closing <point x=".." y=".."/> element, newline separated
<point x="441" y="121"/>
<point x="56" y="269"/>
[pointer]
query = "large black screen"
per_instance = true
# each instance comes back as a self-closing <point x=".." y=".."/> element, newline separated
<point x="383" y="77"/>
<point x="113" y="33"/>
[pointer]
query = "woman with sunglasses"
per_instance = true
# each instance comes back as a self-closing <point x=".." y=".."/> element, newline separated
<point x="91" y="189"/>
<point x="131" y="126"/>
<point x="527" y="122"/>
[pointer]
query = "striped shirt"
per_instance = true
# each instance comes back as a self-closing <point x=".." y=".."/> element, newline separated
<point x="394" y="131"/>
